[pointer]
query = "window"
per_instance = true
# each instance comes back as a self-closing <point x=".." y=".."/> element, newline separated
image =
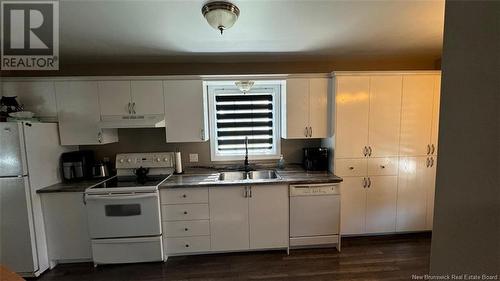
<point x="236" y="117"/>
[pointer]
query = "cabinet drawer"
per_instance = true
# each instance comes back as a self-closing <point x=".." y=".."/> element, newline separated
<point x="386" y="166"/>
<point x="188" y="244"/>
<point x="350" y="167"/>
<point x="184" y="195"/>
<point x="186" y="228"/>
<point x="184" y="212"/>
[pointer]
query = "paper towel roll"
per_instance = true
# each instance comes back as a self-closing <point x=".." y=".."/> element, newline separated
<point x="178" y="163"/>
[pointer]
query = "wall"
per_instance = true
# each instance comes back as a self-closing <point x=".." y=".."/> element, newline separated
<point x="152" y="140"/>
<point x="467" y="207"/>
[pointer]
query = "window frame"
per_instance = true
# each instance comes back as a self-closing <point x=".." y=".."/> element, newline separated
<point x="215" y="87"/>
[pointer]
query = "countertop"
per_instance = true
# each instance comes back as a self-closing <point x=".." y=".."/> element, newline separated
<point x="196" y="177"/>
<point x="79" y="186"/>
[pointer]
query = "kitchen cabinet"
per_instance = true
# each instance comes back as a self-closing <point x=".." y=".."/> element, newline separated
<point x="419" y="115"/>
<point x="249" y="217"/>
<point x="268" y="216"/>
<point x="78" y="114"/>
<point x="65" y="219"/>
<point x="368" y="204"/>
<point x="229" y="227"/>
<point x="305" y="108"/>
<point x="185" y="111"/>
<point x="123" y="97"/>
<point x="38" y="97"/>
<point x="430" y="179"/>
<point x="368" y="112"/>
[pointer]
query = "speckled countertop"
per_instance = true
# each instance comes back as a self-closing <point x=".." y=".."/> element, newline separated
<point x="196" y="177"/>
<point x="208" y="177"/>
<point x="79" y="186"/>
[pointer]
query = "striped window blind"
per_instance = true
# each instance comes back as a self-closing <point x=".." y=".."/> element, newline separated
<point x="240" y="116"/>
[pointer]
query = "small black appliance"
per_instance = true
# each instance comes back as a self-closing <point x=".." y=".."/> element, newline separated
<point x="315" y="159"/>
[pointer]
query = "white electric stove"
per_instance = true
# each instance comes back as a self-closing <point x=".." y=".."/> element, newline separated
<point x="124" y="211"/>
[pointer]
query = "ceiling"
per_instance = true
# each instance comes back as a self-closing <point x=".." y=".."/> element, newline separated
<point x="267" y="30"/>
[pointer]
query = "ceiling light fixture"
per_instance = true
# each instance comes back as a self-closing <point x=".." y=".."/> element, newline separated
<point x="220" y="15"/>
<point x="244" y="86"/>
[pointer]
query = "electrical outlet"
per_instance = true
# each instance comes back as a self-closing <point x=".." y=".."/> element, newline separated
<point x="193" y="157"/>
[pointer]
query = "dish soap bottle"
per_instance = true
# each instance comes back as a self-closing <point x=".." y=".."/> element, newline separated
<point x="281" y="163"/>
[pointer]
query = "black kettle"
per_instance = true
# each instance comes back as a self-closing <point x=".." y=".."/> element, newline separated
<point x="141" y="172"/>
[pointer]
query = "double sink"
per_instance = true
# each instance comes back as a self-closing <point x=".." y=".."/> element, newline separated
<point x="260" y="175"/>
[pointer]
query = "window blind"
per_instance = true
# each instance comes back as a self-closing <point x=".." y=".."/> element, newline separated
<point x="240" y="116"/>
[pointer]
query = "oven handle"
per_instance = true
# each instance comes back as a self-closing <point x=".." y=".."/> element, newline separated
<point x="121" y="196"/>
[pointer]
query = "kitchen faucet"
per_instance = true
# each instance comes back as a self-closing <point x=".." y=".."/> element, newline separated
<point x="247" y="165"/>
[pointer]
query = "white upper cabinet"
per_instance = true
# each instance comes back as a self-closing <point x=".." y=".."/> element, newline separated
<point x="115" y="98"/>
<point x="185" y="111"/>
<point x="435" y="115"/>
<point x="416" y="115"/>
<point x="147" y="97"/>
<point x="368" y="112"/>
<point x="385" y="115"/>
<point x="352" y="112"/>
<point x="78" y="114"/>
<point x="305" y="108"/>
<point x="119" y="98"/>
<point x="38" y="97"/>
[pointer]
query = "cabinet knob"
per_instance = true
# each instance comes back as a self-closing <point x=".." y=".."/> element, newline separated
<point x="187" y="245"/>
<point x="186" y="229"/>
<point x="351" y="168"/>
<point x="184" y="196"/>
<point x="382" y="166"/>
<point x="185" y="212"/>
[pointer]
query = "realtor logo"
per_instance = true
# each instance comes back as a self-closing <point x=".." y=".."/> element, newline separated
<point x="30" y="35"/>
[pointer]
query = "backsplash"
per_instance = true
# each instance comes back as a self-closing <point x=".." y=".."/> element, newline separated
<point x="153" y="140"/>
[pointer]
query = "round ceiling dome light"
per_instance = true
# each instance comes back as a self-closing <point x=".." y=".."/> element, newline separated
<point x="220" y="15"/>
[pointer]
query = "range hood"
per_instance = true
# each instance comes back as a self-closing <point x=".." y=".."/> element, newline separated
<point x="132" y="121"/>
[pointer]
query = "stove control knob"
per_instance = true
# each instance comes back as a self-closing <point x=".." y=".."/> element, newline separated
<point x="121" y="160"/>
<point x="129" y="160"/>
<point x="158" y="159"/>
<point x="165" y="159"/>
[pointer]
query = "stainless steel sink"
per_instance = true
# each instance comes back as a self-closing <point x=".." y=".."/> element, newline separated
<point x="232" y="176"/>
<point x="262" y="175"/>
<point x="249" y="176"/>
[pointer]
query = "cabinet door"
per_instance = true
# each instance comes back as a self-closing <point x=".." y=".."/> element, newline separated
<point x="185" y="111"/>
<point x="38" y="97"/>
<point x="416" y="114"/>
<point x="65" y="219"/>
<point x="381" y="204"/>
<point x="296" y="108"/>
<point x="147" y="97"/>
<point x="412" y="194"/>
<point x="435" y="115"/>
<point x="78" y="114"/>
<point x="352" y="103"/>
<point x="318" y="107"/>
<point x="430" y="179"/>
<point x="268" y="216"/>
<point x="352" y="206"/>
<point x="228" y="218"/>
<point x="385" y="115"/>
<point x="114" y="97"/>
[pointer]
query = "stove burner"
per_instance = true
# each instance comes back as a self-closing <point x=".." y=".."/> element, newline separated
<point x="132" y="181"/>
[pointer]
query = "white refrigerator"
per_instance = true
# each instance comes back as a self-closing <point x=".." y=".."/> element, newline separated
<point x="29" y="160"/>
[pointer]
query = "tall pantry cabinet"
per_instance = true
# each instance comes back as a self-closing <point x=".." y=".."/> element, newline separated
<point x="377" y="115"/>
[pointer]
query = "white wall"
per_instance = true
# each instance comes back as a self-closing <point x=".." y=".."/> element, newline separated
<point x="466" y="236"/>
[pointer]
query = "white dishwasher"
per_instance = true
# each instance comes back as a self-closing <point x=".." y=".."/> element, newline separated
<point x="315" y="215"/>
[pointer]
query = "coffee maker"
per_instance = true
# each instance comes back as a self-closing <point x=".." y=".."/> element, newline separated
<point x="315" y="159"/>
<point x="77" y="165"/>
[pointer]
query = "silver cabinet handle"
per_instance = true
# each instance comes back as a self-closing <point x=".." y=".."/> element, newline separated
<point x="365" y="151"/>
<point x="306" y="132"/>
<point x="202" y="134"/>
<point x="245" y="194"/>
<point x="133" y="108"/>
<point x="129" y="108"/>
<point x="427" y="163"/>
<point x="99" y="137"/>
<point x="432" y="161"/>
<point x="310" y="132"/>
<point x="433" y="148"/>
<point x="370" y="149"/>
<point x="364" y="182"/>
<point x="369" y="182"/>
<point x="428" y="149"/>
<point x="250" y="192"/>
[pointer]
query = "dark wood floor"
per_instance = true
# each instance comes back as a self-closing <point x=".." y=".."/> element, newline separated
<point x="394" y="257"/>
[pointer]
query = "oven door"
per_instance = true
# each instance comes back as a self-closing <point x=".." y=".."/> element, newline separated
<point x="123" y="215"/>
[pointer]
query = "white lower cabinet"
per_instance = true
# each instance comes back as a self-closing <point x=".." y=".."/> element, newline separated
<point x="66" y="225"/>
